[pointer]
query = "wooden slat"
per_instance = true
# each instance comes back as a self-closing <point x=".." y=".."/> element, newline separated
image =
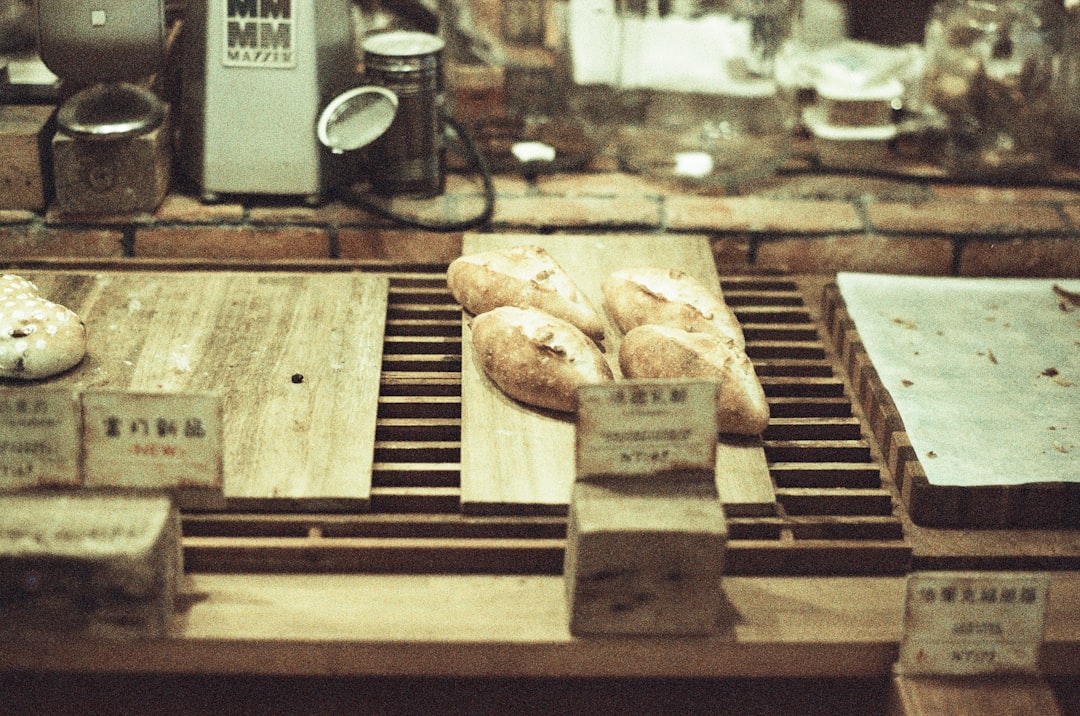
<point x="801" y="407"/>
<point x="830" y="501"/>
<point x="847" y="428"/>
<point x="407" y="555"/>
<point x="826" y="474"/>
<point x="289" y="444"/>
<point x="515" y="458"/>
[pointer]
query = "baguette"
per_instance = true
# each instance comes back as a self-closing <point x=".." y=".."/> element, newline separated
<point x="522" y="276"/>
<point x="38" y="338"/>
<point x="668" y="297"/>
<point x="535" y="357"/>
<point x="666" y="352"/>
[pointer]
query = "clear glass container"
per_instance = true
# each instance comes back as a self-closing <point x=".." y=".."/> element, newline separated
<point x="991" y="76"/>
<point x="687" y="87"/>
<point x="1068" y="96"/>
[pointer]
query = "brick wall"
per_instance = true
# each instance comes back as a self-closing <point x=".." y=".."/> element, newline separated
<point x="801" y="220"/>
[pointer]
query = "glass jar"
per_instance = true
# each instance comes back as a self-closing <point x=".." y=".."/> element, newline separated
<point x="991" y="76"/>
<point x="1068" y="97"/>
<point x="688" y="86"/>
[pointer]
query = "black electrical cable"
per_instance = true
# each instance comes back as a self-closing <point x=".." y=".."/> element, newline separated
<point x="349" y="195"/>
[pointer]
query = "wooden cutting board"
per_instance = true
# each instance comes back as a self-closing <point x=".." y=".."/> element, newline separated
<point x="516" y="459"/>
<point x="290" y="443"/>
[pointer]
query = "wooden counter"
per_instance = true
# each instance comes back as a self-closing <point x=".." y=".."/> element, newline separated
<point x="415" y="589"/>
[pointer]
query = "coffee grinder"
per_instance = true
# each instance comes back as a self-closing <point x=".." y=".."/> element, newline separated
<point x="256" y="74"/>
<point x="111" y="152"/>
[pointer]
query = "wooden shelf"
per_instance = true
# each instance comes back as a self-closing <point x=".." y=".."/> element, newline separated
<point x="500" y="625"/>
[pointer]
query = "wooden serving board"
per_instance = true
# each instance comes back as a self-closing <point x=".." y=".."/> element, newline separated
<point x="1029" y="506"/>
<point x="519" y="459"/>
<point x="303" y="442"/>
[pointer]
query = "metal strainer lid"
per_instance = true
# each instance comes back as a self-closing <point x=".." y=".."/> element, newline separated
<point x="116" y="110"/>
<point x="356" y="118"/>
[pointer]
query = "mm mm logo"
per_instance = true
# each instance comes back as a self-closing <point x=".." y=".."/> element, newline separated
<point x="259" y="33"/>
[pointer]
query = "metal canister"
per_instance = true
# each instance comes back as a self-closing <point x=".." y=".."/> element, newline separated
<point x="409" y="158"/>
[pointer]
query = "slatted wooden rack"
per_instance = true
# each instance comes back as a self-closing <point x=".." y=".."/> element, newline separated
<point x="835" y="509"/>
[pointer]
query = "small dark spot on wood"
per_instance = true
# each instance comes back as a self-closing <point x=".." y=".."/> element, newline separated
<point x="297" y="377"/>
<point x="1050" y="372"/>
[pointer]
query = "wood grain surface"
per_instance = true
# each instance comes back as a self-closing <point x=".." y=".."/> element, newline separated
<point x="295" y="357"/>
<point x="519" y="459"/>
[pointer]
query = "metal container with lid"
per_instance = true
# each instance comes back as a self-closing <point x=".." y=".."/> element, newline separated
<point x="409" y="158"/>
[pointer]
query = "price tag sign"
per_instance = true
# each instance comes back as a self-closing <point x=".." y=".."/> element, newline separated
<point x="152" y="440"/>
<point x="963" y="623"/>
<point x="643" y="427"/>
<point x="39" y="438"/>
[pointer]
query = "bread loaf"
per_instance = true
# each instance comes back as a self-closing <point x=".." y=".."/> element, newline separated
<point x="668" y="297"/>
<point x="38" y="338"/>
<point x="666" y="352"/>
<point x="535" y="357"/>
<point x="522" y="276"/>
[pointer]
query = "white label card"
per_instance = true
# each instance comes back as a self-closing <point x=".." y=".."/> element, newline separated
<point x="39" y="438"/>
<point x="643" y="427"/>
<point x="152" y="440"/>
<point x="967" y="623"/>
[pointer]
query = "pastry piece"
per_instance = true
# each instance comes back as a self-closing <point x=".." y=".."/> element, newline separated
<point x="522" y="276"/>
<point x="666" y="352"/>
<point x="537" y="358"/>
<point x="668" y="297"/>
<point x="38" y="338"/>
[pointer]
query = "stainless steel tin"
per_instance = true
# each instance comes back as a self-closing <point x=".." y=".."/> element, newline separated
<point x="409" y="158"/>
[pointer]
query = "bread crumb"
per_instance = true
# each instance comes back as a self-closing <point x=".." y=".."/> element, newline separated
<point x="1069" y="300"/>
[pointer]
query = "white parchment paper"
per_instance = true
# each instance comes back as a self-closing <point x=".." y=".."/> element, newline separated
<point x="985" y="373"/>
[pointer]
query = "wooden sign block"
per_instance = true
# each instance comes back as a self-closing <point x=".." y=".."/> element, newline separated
<point x="40" y="438"/>
<point x="646" y="533"/>
<point x="984" y="695"/>
<point x="647" y="427"/>
<point x="973" y="623"/>
<point x="645" y="557"/>
<point x="88" y="563"/>
<point x="23" y="132"/>
<point x="111" y="177"/>
<point x="152" y="440"/>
